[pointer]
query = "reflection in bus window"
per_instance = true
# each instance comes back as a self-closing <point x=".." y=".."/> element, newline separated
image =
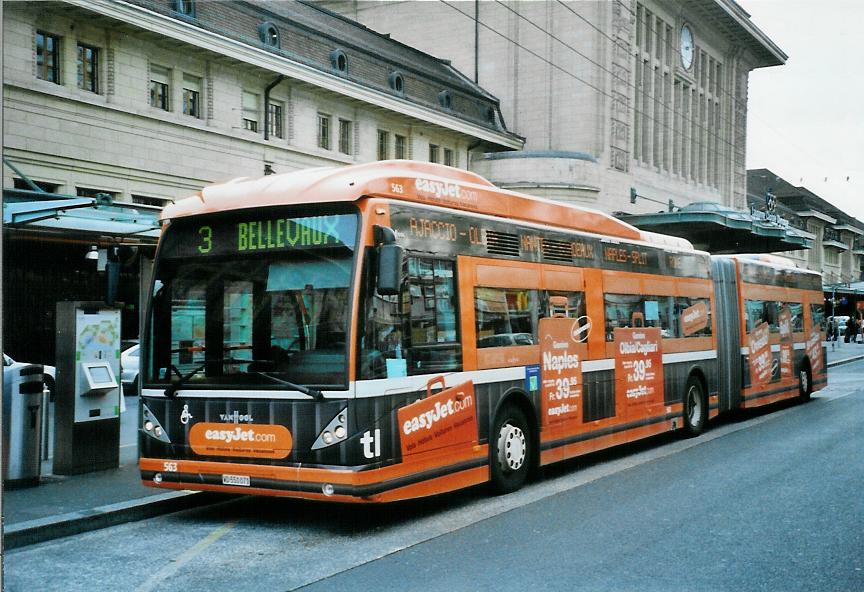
<point x="683" y="312"/>
<point x="761" y="311"/>
<point x="636" y="310"/>
<point x="817" y="316"/>
<point x="414" y="332"/>
<point x="510" y="316"/>
<point x="506" y="316"/>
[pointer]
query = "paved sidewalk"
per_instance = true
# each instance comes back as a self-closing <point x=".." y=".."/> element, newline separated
<point x="63" y="506"/>
<point x="844" y="353"/>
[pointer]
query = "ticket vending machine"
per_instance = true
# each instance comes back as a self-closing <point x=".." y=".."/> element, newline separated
<point x="87" y="391"/>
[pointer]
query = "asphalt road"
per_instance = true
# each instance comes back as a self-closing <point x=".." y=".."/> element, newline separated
<point x="770" y="501"/>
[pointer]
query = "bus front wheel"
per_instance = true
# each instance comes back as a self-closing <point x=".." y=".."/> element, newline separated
<point x="510" y="450"/>
<point x="695" y="407"/>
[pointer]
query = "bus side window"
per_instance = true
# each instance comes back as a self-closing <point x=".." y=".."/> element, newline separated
<point x="429" y="317"/>
<point x="691" y="317"/>
<point x="414" y="332"/>
<point x="572" y="303"/>
<point x="817" y="316"/>
<point x="506" y="316"/>
<point x="638" y="310"/>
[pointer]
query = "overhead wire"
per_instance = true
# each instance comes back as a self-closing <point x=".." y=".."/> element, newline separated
<point x="630" y="85"/>
<point x="693" y="140"/>
<point x="723" y="90"/>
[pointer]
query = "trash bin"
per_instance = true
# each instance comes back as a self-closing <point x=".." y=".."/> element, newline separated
<point x="22" y="425"/>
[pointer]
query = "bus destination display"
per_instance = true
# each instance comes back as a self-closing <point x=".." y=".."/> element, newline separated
<point x="225" y="236"/>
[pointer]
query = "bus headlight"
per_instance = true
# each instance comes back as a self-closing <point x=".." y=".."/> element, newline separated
<point x="334" y="432"/>
<point x="151" y="426"/>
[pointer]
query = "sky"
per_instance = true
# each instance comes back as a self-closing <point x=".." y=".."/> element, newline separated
<point x="806" y="118"/>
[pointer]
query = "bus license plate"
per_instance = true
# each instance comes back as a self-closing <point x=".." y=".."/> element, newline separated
<point x="235" y="480"/>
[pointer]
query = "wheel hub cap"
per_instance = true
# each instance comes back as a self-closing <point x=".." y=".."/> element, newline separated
<point x="695" y="406"/>
<point x="511" y="447"/>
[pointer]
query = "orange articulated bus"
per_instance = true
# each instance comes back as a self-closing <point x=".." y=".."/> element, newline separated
<point x="400" y="329"/>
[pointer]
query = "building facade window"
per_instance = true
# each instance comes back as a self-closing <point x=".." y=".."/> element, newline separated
<point x="96" y="193"/>
<point x="345" y="127"/>
<point x="269" y="34"/>
<point x="677" y="125"/>
<point x="396" y="82"/>
<point x="433" y="152"/>
<point x="48" y="57"/>
<point x="339" y="61"/>
<point x="250" y="111"/>
<point x="149" y="201"/>
<point x="159" y="89"/>
<point x="43" y="185"/>
<point x="186" y="7"/>
<point x="324" y="131"/>
<point x="448" y="157"/>
<point x="88" y="68"/>
<point x="399" y="147"/>
<point x="383" y="145"/>
<point x="275" y="120"/>
<point x="191" y="95"/>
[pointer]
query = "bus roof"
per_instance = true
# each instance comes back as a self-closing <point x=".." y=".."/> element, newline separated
<point x="411" y="181"/>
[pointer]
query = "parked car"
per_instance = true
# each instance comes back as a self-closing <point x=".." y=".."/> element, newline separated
<point x="129" y="363"/>
<point x="506" y="339"/>
<point x="49" y="373"/>
<point x="841" y="321"/>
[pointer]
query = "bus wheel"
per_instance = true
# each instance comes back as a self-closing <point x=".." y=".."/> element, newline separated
<point x="805" y="385"/>
<point x="510" y="450"/>
<point x="695" y="407"/>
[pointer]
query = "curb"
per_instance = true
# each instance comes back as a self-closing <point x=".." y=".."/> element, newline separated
<point x="846" y="361"/>
<point x="54" y="527"/>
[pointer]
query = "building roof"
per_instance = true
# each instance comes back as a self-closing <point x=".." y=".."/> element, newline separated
<point x="312" y="36"/>
<point x="728" y="18"/>
<point x="796" y="198"/>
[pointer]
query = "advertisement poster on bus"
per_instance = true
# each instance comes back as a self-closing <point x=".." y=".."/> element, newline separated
<point x="694" y="318"/>
<point x="760" y="355"/>
<point x="814" y="349"/>
<point x="561" y="353"/>
<point x="638" y="367"/>
<point x="448" y="418"/>
<point x="785" y="321"/>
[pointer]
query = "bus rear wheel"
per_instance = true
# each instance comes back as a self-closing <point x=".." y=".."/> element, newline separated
<point x="805" y="384"/>
<point x="695" y="407"/>
<point x="509" y="450"/>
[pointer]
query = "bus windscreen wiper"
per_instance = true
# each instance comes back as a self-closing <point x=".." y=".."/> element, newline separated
<point x="306" y="390"/>
<point x="181" y="379"/>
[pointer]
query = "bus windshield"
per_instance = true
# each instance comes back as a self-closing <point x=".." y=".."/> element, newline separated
<point x="253" y="302"/>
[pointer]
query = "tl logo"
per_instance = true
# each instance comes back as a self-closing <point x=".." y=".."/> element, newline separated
<point x="371" y="444"/>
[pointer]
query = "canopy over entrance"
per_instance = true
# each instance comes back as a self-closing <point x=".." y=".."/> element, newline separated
<point x="719" y="229"/>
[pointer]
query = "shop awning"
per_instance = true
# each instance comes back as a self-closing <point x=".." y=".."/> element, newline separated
<point x="54" y="212"/>
<point x="720" y="229"/>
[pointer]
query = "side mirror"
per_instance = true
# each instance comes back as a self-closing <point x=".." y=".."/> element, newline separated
<point x="390" y="269"/>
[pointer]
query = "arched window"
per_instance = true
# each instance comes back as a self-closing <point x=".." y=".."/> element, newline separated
<point x="269" y="34"/>
<point x="445" y="99"/>
<point x="185" y="7"/>
<point x="339" y="61"/>
<point x="397" y="83"/>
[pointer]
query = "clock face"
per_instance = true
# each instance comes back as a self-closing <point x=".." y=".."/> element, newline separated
<point x="687" y="47"/>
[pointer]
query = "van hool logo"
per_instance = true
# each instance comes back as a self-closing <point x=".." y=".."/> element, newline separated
<point x="236" y="417"/>
<point x="254" y="440"/>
